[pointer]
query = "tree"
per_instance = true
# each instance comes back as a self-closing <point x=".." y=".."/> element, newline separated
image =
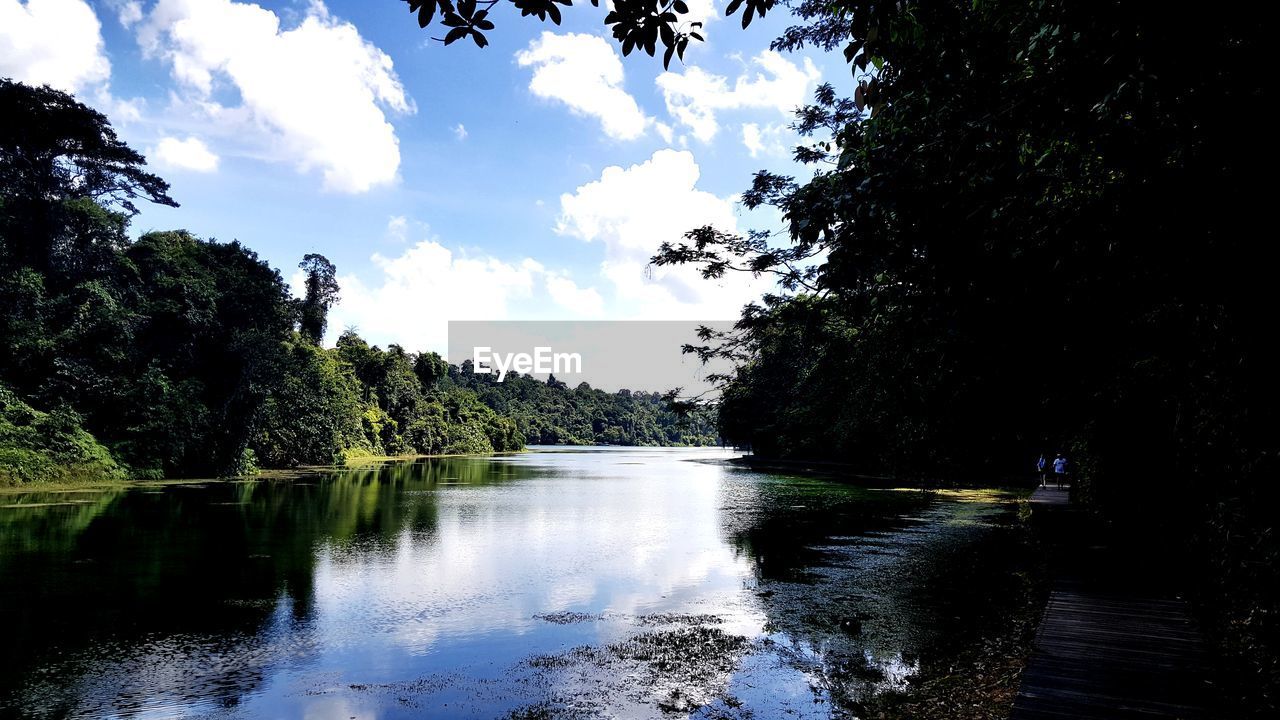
<point x="322" y="293"/>
<point x="61" y="159"/>
<point x="1032" y="222"/>
<point x="430" y="368"/>
<point x="315" y="412"/>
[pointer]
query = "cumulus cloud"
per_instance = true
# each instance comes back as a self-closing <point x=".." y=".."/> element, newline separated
<point x="414" y="295"/>
<point x="579" y="301"/>
<point x="460" y="132"/>
<point x="314" y="95"/>
<point x="695" y="96"/>
<point x="52" y="42"/>
<point x="410" y="298"/>
<point x="189" y="154"/>
<point x="585" y="73"/>
<point x="631" y="211"/>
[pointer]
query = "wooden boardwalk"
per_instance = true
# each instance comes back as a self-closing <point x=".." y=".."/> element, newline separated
<point x="1111" y="649"/>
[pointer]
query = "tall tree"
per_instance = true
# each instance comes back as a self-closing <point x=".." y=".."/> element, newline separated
<point x="322" y="293"/>
<point x="60" y="159"/>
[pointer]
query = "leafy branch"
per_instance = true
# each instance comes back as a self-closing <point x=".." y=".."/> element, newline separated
<point x="643" y="24"/>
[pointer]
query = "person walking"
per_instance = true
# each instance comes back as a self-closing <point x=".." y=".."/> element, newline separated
<point x="1042" y="469"/>
<point x="1060" y="468"/>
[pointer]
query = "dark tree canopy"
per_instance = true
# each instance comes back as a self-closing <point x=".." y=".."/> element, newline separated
<point x="68" y="183"/>
<point x="53" y="145"/>
<point x="1034" y="226"/>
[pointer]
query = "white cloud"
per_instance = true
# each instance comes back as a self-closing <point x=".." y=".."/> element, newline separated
<point x="398" y="228"/>
<point x="585" y="73"/>
<point x="314" y="94"/>
<point x="460" y="132"/>
<point x="768" y="139"/>
<point x="631" y="211"/>
<point x="53" y="42"/>
<point x="411" y="298"/>
<point x="415" y="294"/>
<point x="189" y="154"/>
<point x="752" y="139"/>
<point x="128" y="12"/>
<point x="703" y="11"/>
<point x="585" y="302"/>
<point x="695" y="96"/>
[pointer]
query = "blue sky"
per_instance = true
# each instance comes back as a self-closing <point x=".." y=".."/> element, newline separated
<point x="527" y="180"/>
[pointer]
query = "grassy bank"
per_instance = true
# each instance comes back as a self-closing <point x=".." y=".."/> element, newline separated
<point x="49" y="448"/>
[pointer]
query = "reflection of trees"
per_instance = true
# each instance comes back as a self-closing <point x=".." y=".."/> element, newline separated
<point x="191" y="571"/>
<point x="861" y="588"/>
<point x="788" y="526"/>
<point x="50" y="521"/>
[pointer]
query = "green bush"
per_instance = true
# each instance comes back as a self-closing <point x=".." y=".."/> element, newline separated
<point x="40" y="447"/>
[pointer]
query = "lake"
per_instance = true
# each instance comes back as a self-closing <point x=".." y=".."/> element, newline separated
<point x="584" y="582"/>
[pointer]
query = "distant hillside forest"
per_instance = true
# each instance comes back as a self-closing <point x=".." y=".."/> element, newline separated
<point x="550" y="413"/>
<point x="176" y="356"/>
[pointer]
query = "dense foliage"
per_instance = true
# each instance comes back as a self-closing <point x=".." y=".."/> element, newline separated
<point x="181" y="356"/>
<point x="36" y="446"/>
<point x="551" y="413"/>
<point x="1034" y="226"/>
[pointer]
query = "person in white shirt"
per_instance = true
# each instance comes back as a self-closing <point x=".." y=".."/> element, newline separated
<point x="1060" y="468"/>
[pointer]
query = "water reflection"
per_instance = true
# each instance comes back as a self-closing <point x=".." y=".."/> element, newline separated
<point x="622" y="582"/>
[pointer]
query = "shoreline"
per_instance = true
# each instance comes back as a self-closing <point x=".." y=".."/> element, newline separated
<point x="302" y="471"/>
<point x="264" y="474"/>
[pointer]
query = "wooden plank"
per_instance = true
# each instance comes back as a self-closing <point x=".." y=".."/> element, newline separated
<point x="1110" y="652"/>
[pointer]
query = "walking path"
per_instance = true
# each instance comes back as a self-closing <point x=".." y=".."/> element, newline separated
<point x="1113" y="643"/>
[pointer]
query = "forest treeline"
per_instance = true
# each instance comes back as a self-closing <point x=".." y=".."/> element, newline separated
<point x="176" y="356"/>
<point x="551" y="413"/>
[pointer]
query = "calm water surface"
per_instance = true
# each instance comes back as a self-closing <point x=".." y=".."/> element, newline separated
<point x="605" y="582"/>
